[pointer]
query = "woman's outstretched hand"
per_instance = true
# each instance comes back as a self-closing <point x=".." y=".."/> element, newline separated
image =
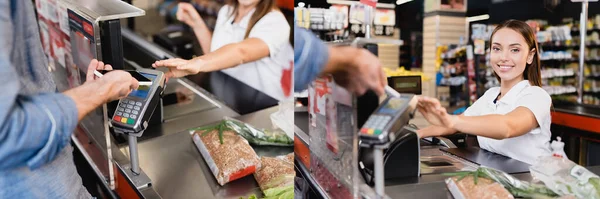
<point x="434" y="113"/>
<point x="179" y="67"/>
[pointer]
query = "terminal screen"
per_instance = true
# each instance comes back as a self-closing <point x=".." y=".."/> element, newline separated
<point x="392" y="106"/>
<point x="142" y="91"/>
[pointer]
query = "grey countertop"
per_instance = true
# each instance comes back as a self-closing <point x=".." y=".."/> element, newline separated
<point x="177" y="169"/>
<point x="437" y="189"/>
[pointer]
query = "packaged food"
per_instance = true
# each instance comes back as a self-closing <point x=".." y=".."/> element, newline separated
<point x="468" y="188"/>
<point x="565" y="177"/>
<point x="515" y="187"/>
<point x="257" y="136"/>
<point x="228" y="155"/>
<point x="276" y="175"/>
<point x="275" y="172"/>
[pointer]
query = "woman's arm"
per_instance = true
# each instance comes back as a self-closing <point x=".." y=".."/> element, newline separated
<point x="232" y="55"/>
<point x="204" y="36"/>
<point x="515" y="123"/>
<point x="228" y="56"/>
<point x="188" y="14"/>
<point x="434" y="131"/>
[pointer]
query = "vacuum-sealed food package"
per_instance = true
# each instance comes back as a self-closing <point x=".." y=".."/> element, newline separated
<point x="228" y="155"/>
<point x="481" y="183"/>
<point x="259" y="137"/>
<point x="276" y="175"/>
<point x="467" y="188"/>
<point x="564" y="177"/>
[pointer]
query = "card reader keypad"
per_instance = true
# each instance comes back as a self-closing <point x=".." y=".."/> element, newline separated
<point x="375" y="124"/>
<point x="128" y="111"/>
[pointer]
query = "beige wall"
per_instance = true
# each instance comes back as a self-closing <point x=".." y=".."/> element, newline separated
<point x="439" y="30"/>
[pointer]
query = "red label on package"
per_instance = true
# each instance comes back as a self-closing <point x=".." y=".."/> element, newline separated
<point x="241" y="173"/>
<point x="371" y="3"/>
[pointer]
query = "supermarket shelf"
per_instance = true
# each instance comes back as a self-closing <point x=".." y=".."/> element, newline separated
<point x="573" y="75"/>
<point x="571" y="93"/>
<point x="588" y="31"/>
<point x="563" y="60"/>
<point x="571" y="60"/>
<point x="568" y="46"/>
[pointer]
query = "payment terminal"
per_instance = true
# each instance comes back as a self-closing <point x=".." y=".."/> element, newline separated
<point x="391" y="115"/>
<point x="380" y="131"/>
<point x="133" y="112"/>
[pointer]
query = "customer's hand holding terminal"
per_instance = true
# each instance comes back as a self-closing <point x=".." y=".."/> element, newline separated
<point x="114" y="85"/>
<point x="97" y="91"/>
<point x="142" y="81"/>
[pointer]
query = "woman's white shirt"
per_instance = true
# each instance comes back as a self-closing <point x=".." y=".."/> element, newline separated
<point x="271" y="75"/>
<point x="528" y="147"/>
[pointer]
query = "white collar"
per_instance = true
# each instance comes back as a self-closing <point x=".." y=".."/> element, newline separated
<point x="245" y="20"/>
<point x="511" y="96"/>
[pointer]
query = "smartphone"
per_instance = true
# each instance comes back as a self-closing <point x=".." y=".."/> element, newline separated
<point x="143" y="81"/>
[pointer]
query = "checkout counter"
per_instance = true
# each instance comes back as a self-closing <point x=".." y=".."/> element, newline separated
<point x="348" y="171"/>
<point x="163" y="162"/>
<point x="579" y="127"/>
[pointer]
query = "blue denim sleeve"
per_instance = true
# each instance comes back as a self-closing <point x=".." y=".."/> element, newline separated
<point x="33" y="128"/>
<point x="310" y="57"/>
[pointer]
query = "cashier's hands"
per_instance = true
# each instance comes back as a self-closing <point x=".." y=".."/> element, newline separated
<point x="187" y="14"/>
<point x="114" y="85"/>
<point x="435" y="114"/>
<point x="180" y="67"/>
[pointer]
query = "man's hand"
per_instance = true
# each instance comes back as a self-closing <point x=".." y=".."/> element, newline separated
<point x="187" y="14"/>
<point x="117" y="84"/>
<point x="358" y="70"/>
<point x="97" y="91"/>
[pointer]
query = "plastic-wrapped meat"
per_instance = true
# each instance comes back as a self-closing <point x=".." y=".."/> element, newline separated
<point x="485" y="188"/>
<point x="229" y="161"/>
<point x="275" y="172"/>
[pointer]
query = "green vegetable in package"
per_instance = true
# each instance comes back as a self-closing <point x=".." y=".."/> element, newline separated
<point x="516" y="187"/>
<point x="286" y="192"/>
<point x="253" y="135"/>
<point x="565" y="177"/>
<point x="259" y="136"/>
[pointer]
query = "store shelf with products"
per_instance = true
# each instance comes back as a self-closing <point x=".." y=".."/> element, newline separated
<point x="452" y="77"/>
<point x="341" y="22"/>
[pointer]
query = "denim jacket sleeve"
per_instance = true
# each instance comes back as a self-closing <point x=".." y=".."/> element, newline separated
<point x="310" y="57"/>
<point x="33" y="128"/>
